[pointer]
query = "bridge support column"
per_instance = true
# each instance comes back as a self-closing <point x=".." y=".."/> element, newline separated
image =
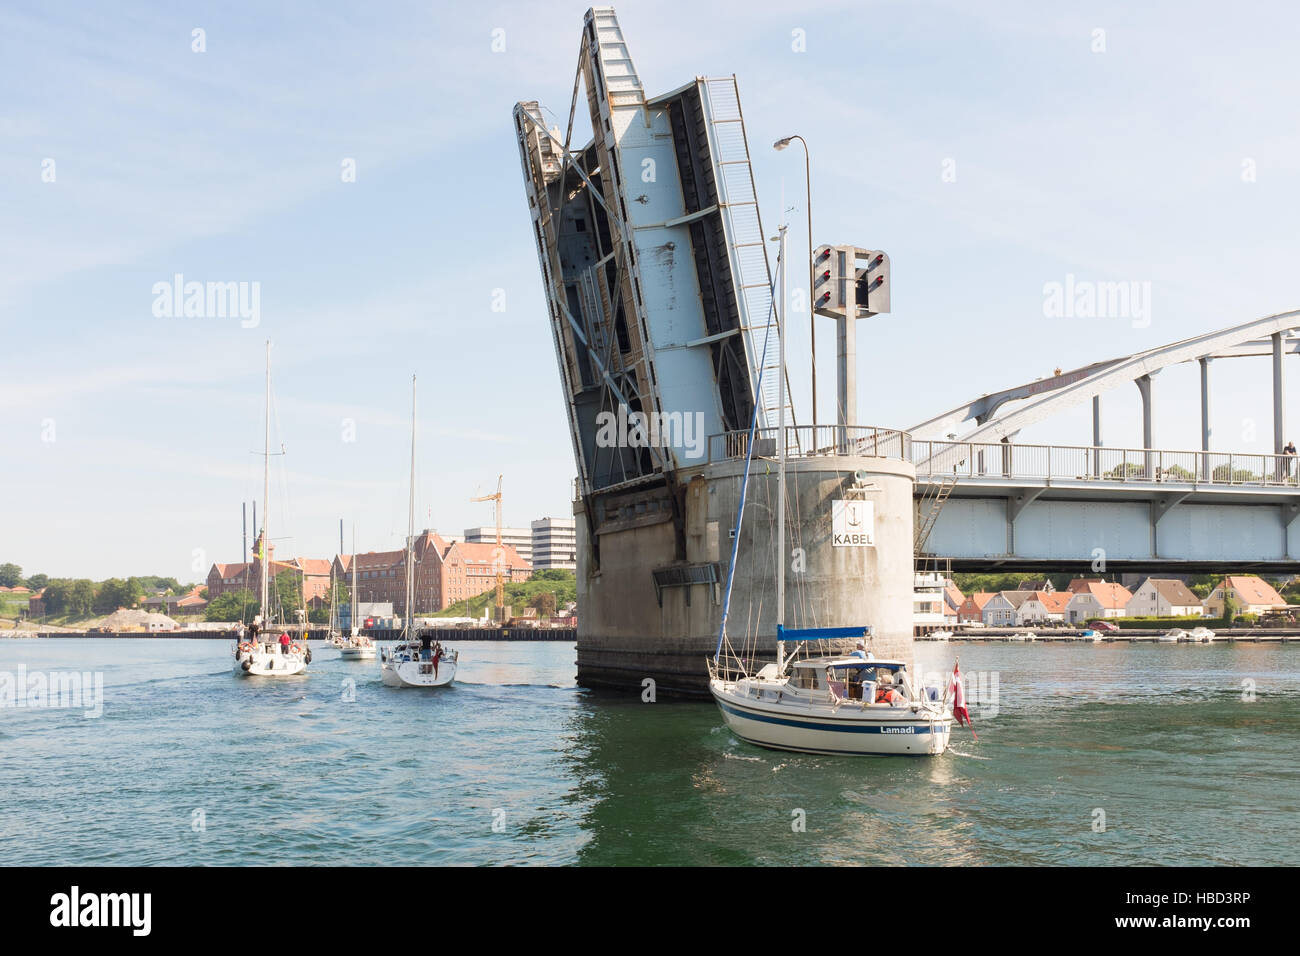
<point x="1159" y="508"/>
<point x="1144" y="386"/>
<point x="1096" y="436"/>
<point x="1279" y="396"/>
<point x="1289" y="515"/>
<point x="1205" y="418"/>
<point x="1015" y="505"/>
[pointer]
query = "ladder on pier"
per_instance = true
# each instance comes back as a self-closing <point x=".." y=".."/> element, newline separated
<point x="928" y="512"/>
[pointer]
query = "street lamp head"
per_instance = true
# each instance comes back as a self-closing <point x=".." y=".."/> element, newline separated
<point x="781" y="144"/>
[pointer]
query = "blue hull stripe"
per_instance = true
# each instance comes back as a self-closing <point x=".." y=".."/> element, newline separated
<point x="837" y="753"/>
<point x="920" y="731"/>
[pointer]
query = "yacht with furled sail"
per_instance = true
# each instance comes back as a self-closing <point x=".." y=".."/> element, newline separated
<point x="807" y="700"/>
<point x="417" y="660"/>
<point x="262" y="653"/>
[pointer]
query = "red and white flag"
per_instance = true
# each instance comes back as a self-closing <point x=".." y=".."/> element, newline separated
<point x="958" y="692"/>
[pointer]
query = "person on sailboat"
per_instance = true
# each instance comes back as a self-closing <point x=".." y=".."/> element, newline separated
<point x="887" y="692"/>
<point x="284" y="642"/>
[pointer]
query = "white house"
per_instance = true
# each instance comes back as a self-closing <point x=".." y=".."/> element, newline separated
<point x="1249" y="594"/>
<point x="1044" y="606"/>
<point x="1097" y="599"/>
<point x="1163" y="597"/>
<point x="1003" y="609"/>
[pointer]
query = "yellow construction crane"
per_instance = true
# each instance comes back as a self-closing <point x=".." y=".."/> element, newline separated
<point x="500" y="554"/>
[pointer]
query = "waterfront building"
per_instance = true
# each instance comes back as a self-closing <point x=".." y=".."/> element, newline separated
<point x="1164" y="597"/>
<point x="972" y="609"/>
<point x="1003" y="609"/>
<point x="1249" y="595"/>
<point x="223" y="578"/>
<point x="555" y="543"/>
<point x="1043" y="607"/>
<point x="446" y="572"/>
<point x="521" y="539"/>
<point x="928" y="602"/>
<point x="1097" y="599"/>
<point x="313" y="575"/>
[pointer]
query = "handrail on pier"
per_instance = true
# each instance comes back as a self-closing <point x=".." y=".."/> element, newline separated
<point x="811" y="441"/>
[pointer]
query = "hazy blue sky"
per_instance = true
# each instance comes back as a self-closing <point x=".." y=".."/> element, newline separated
<point x="126" y="437"/>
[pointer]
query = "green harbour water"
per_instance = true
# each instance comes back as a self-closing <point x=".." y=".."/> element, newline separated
<point x="190" y="765"/>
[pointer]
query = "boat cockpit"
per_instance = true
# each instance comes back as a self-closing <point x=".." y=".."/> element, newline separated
<point x="852" y="678"/>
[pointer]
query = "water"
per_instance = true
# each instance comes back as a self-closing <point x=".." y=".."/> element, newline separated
<point x="190" y="765"/>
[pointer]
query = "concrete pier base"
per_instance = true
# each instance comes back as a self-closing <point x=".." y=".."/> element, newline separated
<point x="650" y="601"/>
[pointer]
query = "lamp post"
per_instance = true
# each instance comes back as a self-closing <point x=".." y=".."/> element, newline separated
<point x="779" y="145"/>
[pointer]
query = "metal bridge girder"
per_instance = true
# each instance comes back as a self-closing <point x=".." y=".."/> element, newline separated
<point x="1048" y="396"/>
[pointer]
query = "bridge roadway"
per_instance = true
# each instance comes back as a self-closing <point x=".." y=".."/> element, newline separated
<point x="1038" y="507"/>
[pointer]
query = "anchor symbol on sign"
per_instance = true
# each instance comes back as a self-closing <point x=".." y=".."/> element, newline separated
<point x="853" y="516"/>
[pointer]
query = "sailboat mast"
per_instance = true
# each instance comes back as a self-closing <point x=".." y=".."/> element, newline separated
<point x="780" y="468"/>
<point x="266" y="495"/>
<point x="352" y="618"/>
<point x="410" y="527"/>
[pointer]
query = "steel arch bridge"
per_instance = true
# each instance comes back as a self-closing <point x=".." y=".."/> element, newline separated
<point x="986" y="501"/>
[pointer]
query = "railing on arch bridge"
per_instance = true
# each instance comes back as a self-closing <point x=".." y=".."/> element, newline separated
<point x="810" y="441"/>
<point x="954" y="459"/>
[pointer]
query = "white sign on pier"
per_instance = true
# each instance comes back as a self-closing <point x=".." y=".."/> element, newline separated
<point x="853" y="524"/>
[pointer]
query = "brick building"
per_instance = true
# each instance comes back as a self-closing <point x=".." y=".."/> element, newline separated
<point x="446" y="572"/>
<point x="313" y="572"/>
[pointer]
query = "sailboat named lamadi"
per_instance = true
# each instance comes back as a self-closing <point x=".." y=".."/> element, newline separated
<point x="834" y="704"/>
<point x="268" y="651"/>
<point x="417" y="660"/>
<point x="824" y="704"/>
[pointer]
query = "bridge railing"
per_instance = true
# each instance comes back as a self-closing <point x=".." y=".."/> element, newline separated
<point x="809" y="441"/>
<point x="939" y="459"/>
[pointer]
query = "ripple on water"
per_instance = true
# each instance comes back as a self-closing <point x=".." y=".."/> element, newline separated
<point x="190" y="765"/>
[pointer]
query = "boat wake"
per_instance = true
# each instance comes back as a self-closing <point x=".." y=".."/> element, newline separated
<point x="958" y="753"/>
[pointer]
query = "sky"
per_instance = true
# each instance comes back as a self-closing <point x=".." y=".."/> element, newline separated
<point x="991" y="149"/>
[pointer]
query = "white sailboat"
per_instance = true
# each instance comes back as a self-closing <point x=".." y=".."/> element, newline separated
<point x="355" y="646"/>
<point x="417" y="660"/>
<point x="838" y="704"/>
<point x="261" y="653"/>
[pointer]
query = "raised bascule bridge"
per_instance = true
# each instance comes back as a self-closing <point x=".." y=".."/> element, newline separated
<point x="659" y="293"/>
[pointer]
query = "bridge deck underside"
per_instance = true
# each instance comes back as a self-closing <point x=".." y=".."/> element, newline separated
<point x="1015" y="525"/>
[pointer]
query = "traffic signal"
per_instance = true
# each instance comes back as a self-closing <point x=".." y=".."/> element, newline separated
<point x="828" y="284"/>
<point x="832" y="268"/>
<point x="873" y="283"/>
